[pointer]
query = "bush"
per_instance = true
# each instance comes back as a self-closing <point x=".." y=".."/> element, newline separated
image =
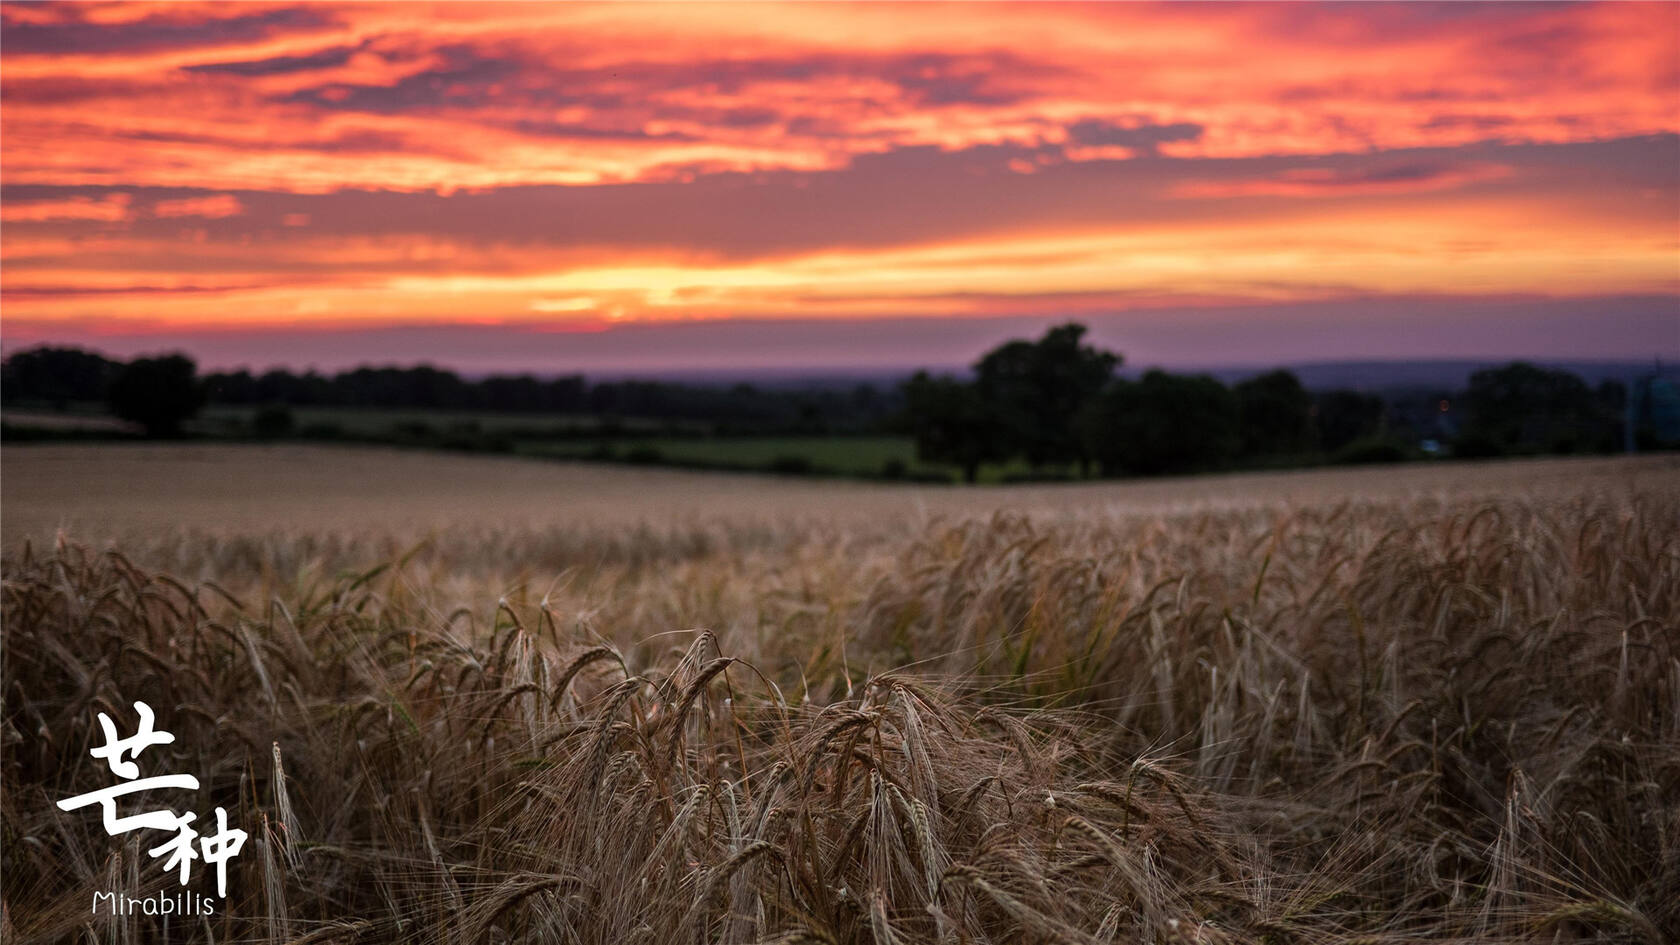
<point x="644" y="456"/>
<point x="323" y="430"/>
<point x="790" y="466"/>
<point x="273" y="422"/>
<point x="413" y="430"/>
<point x="474" y="443"/>
<point x="1370" y="450"/>
<point x="1020" y="478"/>
<point x="1476" y="446"/>
<point x="894" y="468"/>
<point x="28" y="433"/>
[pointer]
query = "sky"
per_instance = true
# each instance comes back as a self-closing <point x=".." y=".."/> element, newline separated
<point x="707" y="186"/>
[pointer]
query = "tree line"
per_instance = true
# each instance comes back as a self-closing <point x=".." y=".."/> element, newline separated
<point x="161" y="393"/>
<point x="1056" y="403"/>
<point x="1059" y="401"/>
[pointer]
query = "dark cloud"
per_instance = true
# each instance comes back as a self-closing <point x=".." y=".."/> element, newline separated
<point x="65" y="90"/>
<point x="1317" y="176"/>
<point x="279" y="65"/>
<point x="353" y="141"/>
<point x="749" y="117"/>
<point x="907" y="196"/>
<point x="582" y="132"/>
<point x="464" y="79"/>
<point x="79" y="291"/>
<point x="75" y="36"/>
<point x="469" y="77"/>
<point x="1484" y="123"/>
<point x="1399" y="173"/>
<point x="933" y="79"/>
<point x="1144" y="138"/>
<point x="1372" y="23"/>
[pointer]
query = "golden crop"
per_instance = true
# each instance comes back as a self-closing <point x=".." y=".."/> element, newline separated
<point x="1367" y="706"/>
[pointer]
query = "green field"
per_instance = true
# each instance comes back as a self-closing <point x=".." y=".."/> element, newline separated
<point x="636" y="440"/>
<point x="382" y="421"/>
<point x="861" y="456"/>
<point x="858" y="456"/>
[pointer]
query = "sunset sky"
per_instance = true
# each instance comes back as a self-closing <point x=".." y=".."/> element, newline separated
<point x="640" y="187"/>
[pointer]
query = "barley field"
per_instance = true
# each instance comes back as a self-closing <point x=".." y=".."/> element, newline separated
<point x="465" y="699"/>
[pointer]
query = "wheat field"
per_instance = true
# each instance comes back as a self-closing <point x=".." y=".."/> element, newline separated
<point x="456" y="699"/>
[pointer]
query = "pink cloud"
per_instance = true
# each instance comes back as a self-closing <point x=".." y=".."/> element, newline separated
<point x="1335" y="182"/>
<point x="406" y="164"/>
<point x="111" y="208"/>
<point x="211" y="208"/>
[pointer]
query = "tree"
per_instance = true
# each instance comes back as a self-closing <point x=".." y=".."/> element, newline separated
<point x="57" y="376"/>
<point x="1276" y="414"/>
<point x="1521" y="408"/>
<point x="951" y="424"/>
<point x="1038" y="389"/>
<point x="1163" y="423"/>
<point x="1344" y="416"/>
<point x="157" y="393"/>
<point x="420" y="386"/>
<point x="231" y="387"/>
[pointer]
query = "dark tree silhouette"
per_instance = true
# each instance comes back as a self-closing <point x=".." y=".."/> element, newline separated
<point x="1345" y="416"/>
<point x="951" y="424"/>
<point x="157" y="393"/>
<point x="1275" y="412"/>
<point x="1038" y="389"/>
<point x="1521" y="408"/>
<point x="1163" y="423"/>
<point x="56" y="376"/>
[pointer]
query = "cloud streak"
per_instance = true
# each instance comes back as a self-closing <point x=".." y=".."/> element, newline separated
<point x="226" y="167"/>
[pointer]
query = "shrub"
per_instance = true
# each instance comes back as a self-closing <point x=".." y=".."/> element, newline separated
<point x="1371" y="450"/>
<point x="273" y="422"/>
<point x="323" y="430"/>
<point x="790" y="466"/>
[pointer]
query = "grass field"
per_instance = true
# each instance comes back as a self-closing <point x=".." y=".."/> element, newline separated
<point x="67" y="420"/>
<point x="559" y="437"/>
<point x="637" y="440"/>
<point x="850" y="455"/>
<point x="382" y="421"/>
<point x="471" y="699"/>
<point x="855" y="456"/>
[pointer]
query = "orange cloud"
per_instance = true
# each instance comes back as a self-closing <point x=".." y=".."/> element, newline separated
<point x="216" y="207"/>
<point x="582" y="164"/>
<point x="317" y="97"/>
<point x="110" y="208"/>
<point x="1326" y="181"/>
